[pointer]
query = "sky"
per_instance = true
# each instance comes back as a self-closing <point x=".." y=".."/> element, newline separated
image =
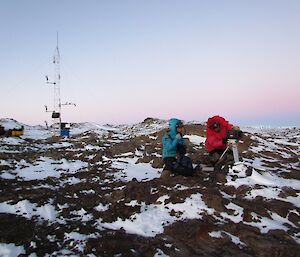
<point x="122" y="61"/>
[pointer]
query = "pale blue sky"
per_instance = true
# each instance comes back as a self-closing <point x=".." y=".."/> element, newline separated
<point x="122" y="61"/>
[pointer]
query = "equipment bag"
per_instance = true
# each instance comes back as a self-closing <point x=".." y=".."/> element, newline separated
<point x="184" y="166"/>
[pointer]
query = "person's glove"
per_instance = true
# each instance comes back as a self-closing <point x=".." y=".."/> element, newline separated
<point x="224" y="141"/>
<point x="178" y="136"/>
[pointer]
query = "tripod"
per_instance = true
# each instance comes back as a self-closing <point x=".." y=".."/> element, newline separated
<point x="233" y="144"/>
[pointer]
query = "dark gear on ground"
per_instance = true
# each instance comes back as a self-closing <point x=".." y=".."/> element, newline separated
<point x="183" y="166"/>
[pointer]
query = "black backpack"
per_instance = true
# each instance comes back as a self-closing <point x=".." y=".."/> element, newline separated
<point x="186" y="162"/>
<point x="184" y="166"/>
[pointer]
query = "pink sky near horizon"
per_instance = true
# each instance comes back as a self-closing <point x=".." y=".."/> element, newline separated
<point x="122" y="63"/>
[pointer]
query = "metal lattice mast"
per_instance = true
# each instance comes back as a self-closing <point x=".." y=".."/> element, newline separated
<point x="56" y="112"/>
<point x="57" y="101"/>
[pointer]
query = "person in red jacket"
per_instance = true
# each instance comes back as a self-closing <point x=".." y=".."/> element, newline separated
<point x="216" y="137"/>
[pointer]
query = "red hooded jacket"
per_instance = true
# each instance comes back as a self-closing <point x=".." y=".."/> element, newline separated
<point x="214" y="139"/>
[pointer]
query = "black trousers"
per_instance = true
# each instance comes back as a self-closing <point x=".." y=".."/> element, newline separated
<point x="172" y="165"/>
<point x="215" y="155"/>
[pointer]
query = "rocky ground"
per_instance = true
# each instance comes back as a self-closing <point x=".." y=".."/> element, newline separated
<point x="99" y="193"/>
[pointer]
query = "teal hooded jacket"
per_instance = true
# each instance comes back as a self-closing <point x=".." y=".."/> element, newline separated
<point x="169" y="141"/>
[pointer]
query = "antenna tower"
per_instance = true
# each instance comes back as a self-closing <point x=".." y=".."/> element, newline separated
<point x="56" y="112"/>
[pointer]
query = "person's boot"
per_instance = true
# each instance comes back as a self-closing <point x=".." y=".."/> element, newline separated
<point x="198" y="168"/>
<point x="218" y="166"/>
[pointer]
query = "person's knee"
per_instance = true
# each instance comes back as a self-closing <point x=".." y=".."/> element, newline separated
<point x="214" y="157"/>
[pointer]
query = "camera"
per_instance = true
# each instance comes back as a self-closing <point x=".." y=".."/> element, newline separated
<point x="234" y="134"/>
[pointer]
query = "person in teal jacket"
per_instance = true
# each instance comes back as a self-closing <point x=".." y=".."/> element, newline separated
<point x="173" y="146"/>
<point x="173" y="138"/>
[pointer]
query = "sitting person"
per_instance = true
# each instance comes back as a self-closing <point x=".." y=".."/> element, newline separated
<point x="216" y="138"/>
<point x="173" y="147"/>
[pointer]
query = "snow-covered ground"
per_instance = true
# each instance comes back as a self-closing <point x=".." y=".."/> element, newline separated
<point x="266" y="180"/>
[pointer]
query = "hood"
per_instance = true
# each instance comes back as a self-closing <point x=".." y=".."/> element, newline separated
<point x="224" y="124"/>
<point x="172" y="127"/>
<point x="214" y="119"/>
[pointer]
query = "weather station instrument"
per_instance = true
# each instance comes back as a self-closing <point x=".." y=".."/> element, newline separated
<point x="61" y="127"/>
